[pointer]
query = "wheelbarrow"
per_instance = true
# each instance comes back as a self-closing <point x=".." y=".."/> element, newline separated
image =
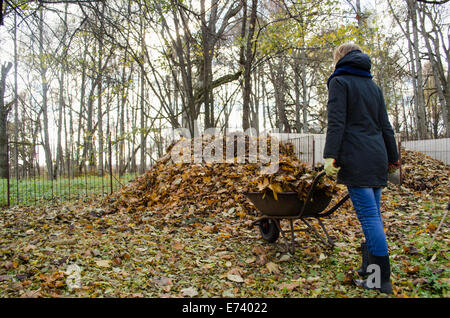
<point x="290" y="207"/>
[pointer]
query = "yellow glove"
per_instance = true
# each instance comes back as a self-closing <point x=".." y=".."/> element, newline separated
<point x="329" y="168"/>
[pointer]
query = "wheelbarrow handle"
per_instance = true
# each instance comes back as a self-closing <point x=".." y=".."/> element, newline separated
<point x="311" y="191"/>
<point x="317" y="178"/>
<point x="315" y="182"/>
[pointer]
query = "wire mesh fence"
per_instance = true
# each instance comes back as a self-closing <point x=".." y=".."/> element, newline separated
<point x="30" y="183"/>
<point x="37" y="187"/>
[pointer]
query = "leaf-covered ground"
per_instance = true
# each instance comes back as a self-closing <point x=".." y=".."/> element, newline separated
<point x="153" y="254"/>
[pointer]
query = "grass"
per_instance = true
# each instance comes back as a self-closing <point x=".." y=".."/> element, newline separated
<point x="41" y="190"/>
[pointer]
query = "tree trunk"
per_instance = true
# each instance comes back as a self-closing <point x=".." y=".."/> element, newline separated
<point x="100" y="94"/>
<point x="88" y="149"/>
<point x="4" y="164"/>
<point x="121" y="117"/>
<point x="16" y="103"/>
<point x="298" y="106"/>
<point x="79" y="159"/>
<point x="143" y="164"/>
<point x="420" y="106"/>
<point x="247" y="61"/>
<point x="59" y="164"/>
<point x="256" y="102"/>
<point x="304" y="91"/>
<point x="438" y="73"/>
<point x="278" y="82"/>
<point x="44" y="85"/>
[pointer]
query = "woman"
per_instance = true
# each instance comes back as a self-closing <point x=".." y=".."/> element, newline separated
<point x="360" y="148"/>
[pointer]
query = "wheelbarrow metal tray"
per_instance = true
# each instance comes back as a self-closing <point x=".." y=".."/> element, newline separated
<point x="288" y="203"/>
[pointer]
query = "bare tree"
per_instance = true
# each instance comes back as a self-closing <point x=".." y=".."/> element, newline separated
<point x="246" y="58"/>
<point x="4" y="110"/>
<point x="43" y="67"/>
<point x="440" y="63"/>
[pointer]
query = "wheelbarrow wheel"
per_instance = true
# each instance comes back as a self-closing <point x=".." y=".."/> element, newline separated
<point x="269" y="230"/>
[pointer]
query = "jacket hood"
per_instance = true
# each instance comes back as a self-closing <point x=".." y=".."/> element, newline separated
<point x="356" y="59"/>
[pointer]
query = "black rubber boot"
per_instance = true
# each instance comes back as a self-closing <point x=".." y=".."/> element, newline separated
<point x="385" y="285"/>
<point x="362" y="271"/>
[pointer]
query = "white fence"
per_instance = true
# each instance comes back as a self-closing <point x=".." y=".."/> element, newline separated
<point x="309" y="147"/>
<point x="435" y="148"/>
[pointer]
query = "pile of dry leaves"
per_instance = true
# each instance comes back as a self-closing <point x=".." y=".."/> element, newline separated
<point x="207" y="187"/>
<point x="421" y="172"/>
<point x="198" y="187"/>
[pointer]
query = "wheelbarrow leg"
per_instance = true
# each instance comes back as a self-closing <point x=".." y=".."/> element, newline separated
<point x="315" y="232"/>
<point x="330" y="240"/>
<point x="292" y="249"/>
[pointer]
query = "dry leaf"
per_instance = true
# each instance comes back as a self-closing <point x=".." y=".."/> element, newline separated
<point x="276" y="188"/>
<point x="273" y="268"/>
<point x="162" y="281"/>
<point x="5" y="278"/>
<point x="259" y="250"/>
<point x="261" y="260"/>
<point x="103" y="263"/>
<point x="288" y="286"/>
<point x="235" y="278"/>
<point x="189" y="292"/>
<point x="177" y="246"/>
<point x="32" y="294"/>
<point x="431" y="227"/>
<point x="421" y="280"/>
<point x="411" y="269"/>
<point x="236" y="271"/>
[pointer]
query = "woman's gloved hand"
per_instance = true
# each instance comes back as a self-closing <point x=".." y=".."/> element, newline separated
<point x="330" y="168"/>
<point x="393" y="166"/>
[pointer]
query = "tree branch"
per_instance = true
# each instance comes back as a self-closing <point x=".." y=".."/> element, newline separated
<point x="433" y="2"/>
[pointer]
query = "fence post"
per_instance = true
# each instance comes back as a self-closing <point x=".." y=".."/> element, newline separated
<point x="400" y="159"/>
<point x="110" y="165"/>
<point x="313" y="152"/>
<point x="69" y="160"/>
<point x="7" y="173"/>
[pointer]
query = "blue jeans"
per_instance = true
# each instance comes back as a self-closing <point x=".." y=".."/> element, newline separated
<point x="366" y="202"/>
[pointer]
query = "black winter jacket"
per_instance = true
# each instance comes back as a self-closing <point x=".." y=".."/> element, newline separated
<point x="359" y="136"/>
